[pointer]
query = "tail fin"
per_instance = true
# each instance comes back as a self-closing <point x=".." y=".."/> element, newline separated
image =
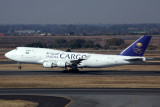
<point x="138" y="47"/>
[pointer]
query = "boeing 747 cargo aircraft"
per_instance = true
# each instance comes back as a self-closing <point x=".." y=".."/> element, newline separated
<point x="51" y="58"/>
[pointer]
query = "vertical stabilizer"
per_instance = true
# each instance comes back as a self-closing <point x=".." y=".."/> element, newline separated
<point x="138" y="47"/>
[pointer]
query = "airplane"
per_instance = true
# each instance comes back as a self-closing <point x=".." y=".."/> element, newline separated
<point x="51" y="58"/>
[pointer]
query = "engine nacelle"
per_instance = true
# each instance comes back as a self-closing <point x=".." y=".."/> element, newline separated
<point x="48" y="64"/>
<point x="61" y="64"/>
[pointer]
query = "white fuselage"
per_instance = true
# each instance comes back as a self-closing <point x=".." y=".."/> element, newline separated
<point x="55" y="57"/>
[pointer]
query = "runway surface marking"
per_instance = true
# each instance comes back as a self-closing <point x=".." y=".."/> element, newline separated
<point x="133" y="100"/>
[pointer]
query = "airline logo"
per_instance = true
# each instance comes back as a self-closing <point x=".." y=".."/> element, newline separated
<point x="65" y="56"/>
<point x="138" y="48"/>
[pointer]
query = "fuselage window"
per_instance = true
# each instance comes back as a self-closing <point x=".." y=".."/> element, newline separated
<point x="27" y="52"/>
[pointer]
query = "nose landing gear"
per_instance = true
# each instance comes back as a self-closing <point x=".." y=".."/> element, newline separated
<point x="19" y="65"/>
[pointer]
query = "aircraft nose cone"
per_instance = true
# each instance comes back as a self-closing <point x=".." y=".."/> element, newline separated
<point x="7" y="55"/>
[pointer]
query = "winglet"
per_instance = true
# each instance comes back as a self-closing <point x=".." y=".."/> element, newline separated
<point x="138" y="47"/>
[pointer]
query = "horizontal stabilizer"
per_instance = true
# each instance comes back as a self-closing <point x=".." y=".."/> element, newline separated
<point x="135" y="60"/>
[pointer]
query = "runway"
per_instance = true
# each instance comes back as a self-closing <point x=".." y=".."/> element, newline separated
<point x="81" y="73"/>
<point x="92" y="97"/>
<point x="97" y="97"/>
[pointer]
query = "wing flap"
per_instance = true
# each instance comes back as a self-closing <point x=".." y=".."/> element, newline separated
<point x="76" y="62"/>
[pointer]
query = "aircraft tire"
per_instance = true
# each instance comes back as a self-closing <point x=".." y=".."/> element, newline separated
<point x="65" y="71"/>
<point x="19" y="67"/>
<point x="73" y="70"/>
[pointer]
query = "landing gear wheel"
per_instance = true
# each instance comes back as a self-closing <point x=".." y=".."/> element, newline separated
<point x="65" y="71"/>
<point x="19" y="67"/>
<point x="70" y="70"/>
<point x="74" y="70"/>
<point x="77" y="70"/>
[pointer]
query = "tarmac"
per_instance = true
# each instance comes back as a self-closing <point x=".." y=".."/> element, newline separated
<point x="81" y="73"/>
<point x="87" y="97"/>
<point x="96" y="97"/>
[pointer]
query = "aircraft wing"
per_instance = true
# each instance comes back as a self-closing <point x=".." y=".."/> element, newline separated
<point x="76" y="62"/>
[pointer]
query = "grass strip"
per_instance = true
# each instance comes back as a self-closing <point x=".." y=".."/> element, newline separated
<point x="17" y="103"/>
<point x="78" y="82"/>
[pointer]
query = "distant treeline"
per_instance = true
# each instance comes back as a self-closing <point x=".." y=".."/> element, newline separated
<point x="113" y="43"/>
<point x="85" y="30"/>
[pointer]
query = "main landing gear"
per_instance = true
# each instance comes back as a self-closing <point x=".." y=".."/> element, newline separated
<point x="19" y="65"/>
<point x="72" y="70"/>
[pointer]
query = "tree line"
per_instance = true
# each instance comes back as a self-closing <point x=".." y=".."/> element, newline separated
<point x="113" y="43"/>
<point x="85" y="30"/>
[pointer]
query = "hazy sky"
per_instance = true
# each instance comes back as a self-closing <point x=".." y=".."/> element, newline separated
<point x="79" y="11"/>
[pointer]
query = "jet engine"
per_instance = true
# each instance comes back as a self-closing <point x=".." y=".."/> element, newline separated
<point x="48" y="64"/>
<point x="61" y="64"/>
